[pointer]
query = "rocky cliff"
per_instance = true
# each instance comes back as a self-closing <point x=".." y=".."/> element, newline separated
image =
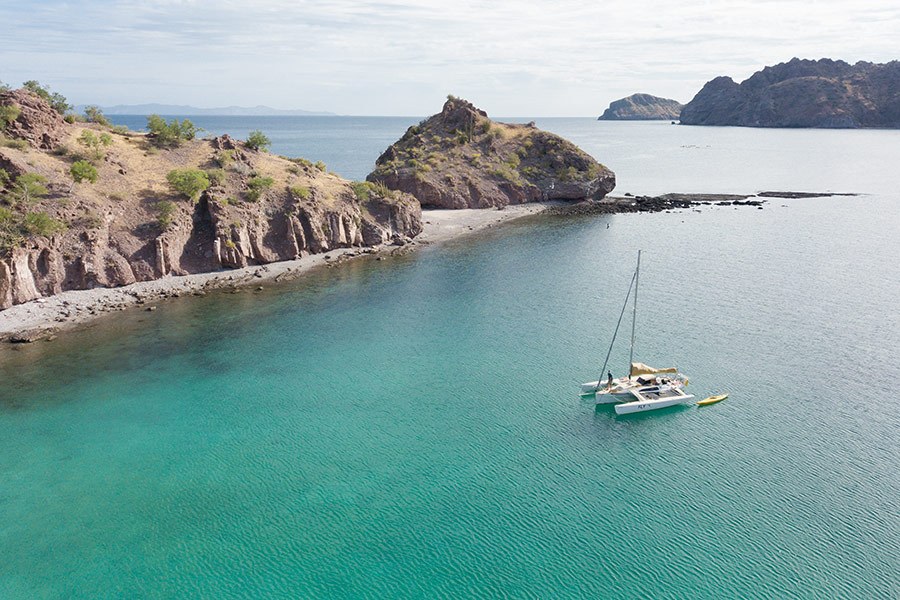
<point x="132" y="224"/>
<point x="803" y="93"/>
<point x="642" y="107"/>
<point x="460" y="158"/>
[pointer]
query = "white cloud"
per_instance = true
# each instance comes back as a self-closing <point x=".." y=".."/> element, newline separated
<point x="388" y="57"/>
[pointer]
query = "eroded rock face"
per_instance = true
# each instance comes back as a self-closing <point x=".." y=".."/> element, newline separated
<point x="37" y="123"/>
<point x="459" y="158"/>
<point x="114" y="234"/>
<point x="642" y="107"/>
<point x="803" y="93"/>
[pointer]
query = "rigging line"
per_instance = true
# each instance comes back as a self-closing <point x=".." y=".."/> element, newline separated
<point x="637" y="281"/>
<point x="616" y="332"/>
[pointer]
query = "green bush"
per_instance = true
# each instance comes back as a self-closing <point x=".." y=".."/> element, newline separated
<point x="8" y="114"/>
<point x="224" y="158"/>
<point x="93" y="114"/>
<point x="82" y="170"/>
<point x="11" y="143"/>
<point x="40" y="223"/>
<point x="4" y="178"/>
<point x="57" y="101"/>
<point x="321" y="166"/>
<point x="300" y="191"/>
<point x="170" y="134"/>
<point x="381" y="190"/>
<point x="3" y="87"/>
<point x="188" y="182"/>
<point x="362" y="189"/>
<point x="10" y="229"/>
<point x="257" y="140"/>
<point x="29" y="187"/>
<point x="257" y="186"/>
<point x="95" y="143"/>
<point x="165" y="211"/>
<point x="216" y="176"/>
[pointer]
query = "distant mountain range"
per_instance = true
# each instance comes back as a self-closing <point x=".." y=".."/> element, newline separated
<point x="179" y="109"/>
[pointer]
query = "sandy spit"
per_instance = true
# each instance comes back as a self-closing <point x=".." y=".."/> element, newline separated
<point x="45" y="317"/>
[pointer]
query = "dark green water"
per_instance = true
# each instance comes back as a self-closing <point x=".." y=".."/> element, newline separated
<point x="411" y="428"/>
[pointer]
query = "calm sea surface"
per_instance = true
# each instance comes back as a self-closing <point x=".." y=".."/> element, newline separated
<point x="411" y="428"/>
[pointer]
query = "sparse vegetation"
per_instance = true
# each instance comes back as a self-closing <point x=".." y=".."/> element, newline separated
<point x="257" y="140"/>
<point x="257" y="186"/>
<point x="362" y="189"/>
<point x="28" y="188"/>
<point x="6" y="142"/>
<point x="40" y="223"/>
<point x="188" y="182"/>
<point x="8" y="114"/>
<point x="169" y="134"/>
<point x="56" y="100"/>
<point x="321" y="166"/>
<point x="3" y="87"/>
<point x="82" y="170"/>
<point x="216" y="176"/>
<point x="95" y="144"/>
<point x="223" y="158"/>
<point x="165" y="213"/>
<point x="300" y="192"/>
<point x="93" y="114"/>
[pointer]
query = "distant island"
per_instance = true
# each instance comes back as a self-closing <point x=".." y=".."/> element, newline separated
<point x="803" y="93"/>
<point x="642" y="107"/>
<point x="193" y="111"/>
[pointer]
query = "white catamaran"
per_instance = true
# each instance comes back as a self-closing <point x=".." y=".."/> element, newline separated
<point x="645" y="387"/>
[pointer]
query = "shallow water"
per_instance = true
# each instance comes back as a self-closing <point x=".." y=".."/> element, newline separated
<point x="411" y="428"/>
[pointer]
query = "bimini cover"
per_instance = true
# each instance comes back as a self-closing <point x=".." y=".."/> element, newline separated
<point x="642" y="369"/>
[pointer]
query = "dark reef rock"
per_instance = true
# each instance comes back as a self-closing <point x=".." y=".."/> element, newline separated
<point x="459" y="158"/>
<point x="803" y="93"/>
<point x="642" y="107"/>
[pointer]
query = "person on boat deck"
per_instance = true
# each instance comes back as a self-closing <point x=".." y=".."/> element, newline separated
<point x="609" y="378"/>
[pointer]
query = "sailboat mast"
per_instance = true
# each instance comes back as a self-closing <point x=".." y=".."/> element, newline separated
<point x="637" y="280"/>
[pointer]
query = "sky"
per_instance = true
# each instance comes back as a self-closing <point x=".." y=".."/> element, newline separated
<point x="385" y="57"/>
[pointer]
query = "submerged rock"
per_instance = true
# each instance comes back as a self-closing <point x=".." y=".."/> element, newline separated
<point x="460" y="158"/>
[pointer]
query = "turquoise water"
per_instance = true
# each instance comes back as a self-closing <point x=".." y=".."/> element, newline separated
<point x="411" y="428"/>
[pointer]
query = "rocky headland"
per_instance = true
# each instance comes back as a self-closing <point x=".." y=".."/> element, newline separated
<point x="642" y="107"/>
<point x="459" y="158"/>
<point x="803" y="93"/>
<point x="85" y="205"/>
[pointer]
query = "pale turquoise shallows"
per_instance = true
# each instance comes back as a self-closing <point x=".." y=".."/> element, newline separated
<point x="411" y="428"/>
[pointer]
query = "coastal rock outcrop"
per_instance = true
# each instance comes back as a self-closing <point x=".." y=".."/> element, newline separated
<point x="132" y="224"/>
<point x="642" y="107"/>
<point x="460" y="158"/>
<point x="36" y="123"/>
<point x="803" y="93"/>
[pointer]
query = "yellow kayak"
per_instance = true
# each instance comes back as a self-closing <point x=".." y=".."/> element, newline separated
<point x="712" y="400"/>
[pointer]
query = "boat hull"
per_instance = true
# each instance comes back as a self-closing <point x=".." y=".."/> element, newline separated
<point x="628" y="408"/>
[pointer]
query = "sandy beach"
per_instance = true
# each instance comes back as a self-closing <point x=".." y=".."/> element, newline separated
<point x="45" y="317"/>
